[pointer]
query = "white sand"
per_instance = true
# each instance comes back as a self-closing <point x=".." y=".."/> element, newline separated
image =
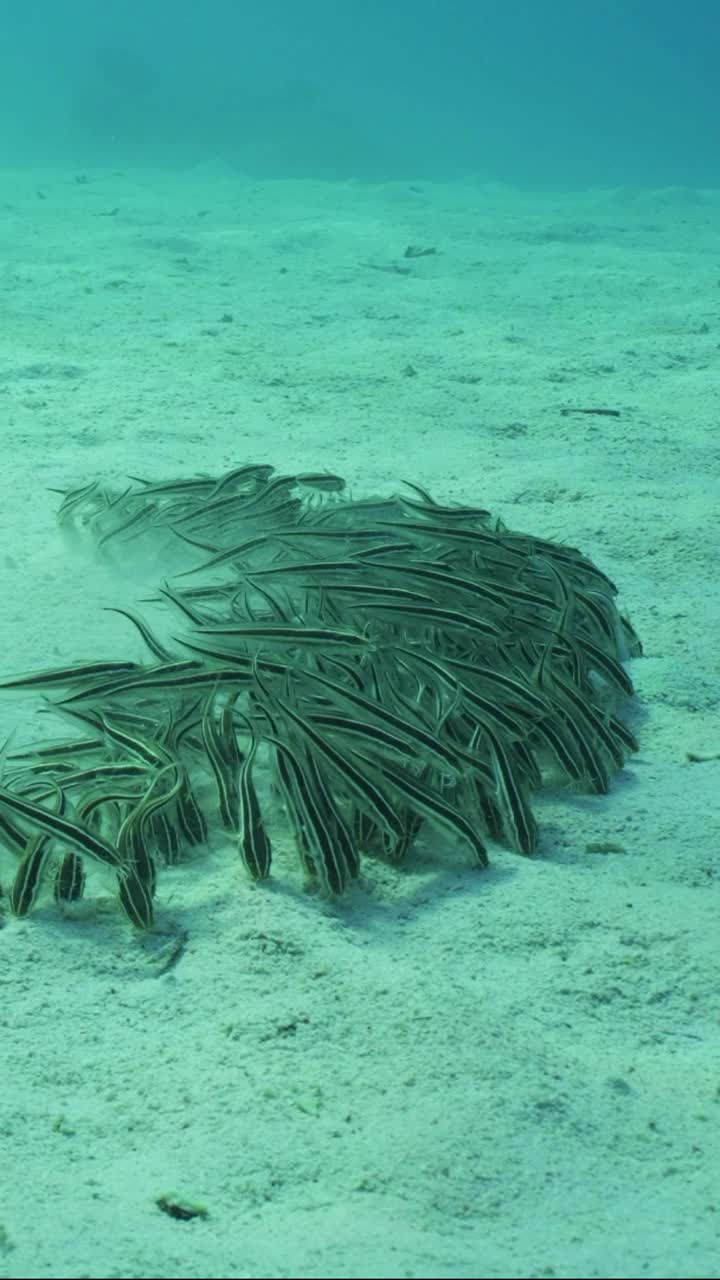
<point x="451" y="1074"/>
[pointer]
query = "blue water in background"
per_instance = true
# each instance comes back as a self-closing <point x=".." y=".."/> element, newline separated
<point x="564" y="93"/>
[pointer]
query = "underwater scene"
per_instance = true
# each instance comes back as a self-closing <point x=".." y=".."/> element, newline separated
<point x="359" y="677"/>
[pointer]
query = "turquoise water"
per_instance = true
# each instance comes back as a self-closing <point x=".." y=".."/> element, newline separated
<point x="559" y="93"/>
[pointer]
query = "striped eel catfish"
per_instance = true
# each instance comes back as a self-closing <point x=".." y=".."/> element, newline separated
<point x="361" y="672"/>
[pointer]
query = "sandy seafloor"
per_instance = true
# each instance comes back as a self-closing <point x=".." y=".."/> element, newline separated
<point x="451" y="1073"/>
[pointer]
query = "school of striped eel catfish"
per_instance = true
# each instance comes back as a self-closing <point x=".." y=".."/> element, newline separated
<point x="352" y="670"/>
